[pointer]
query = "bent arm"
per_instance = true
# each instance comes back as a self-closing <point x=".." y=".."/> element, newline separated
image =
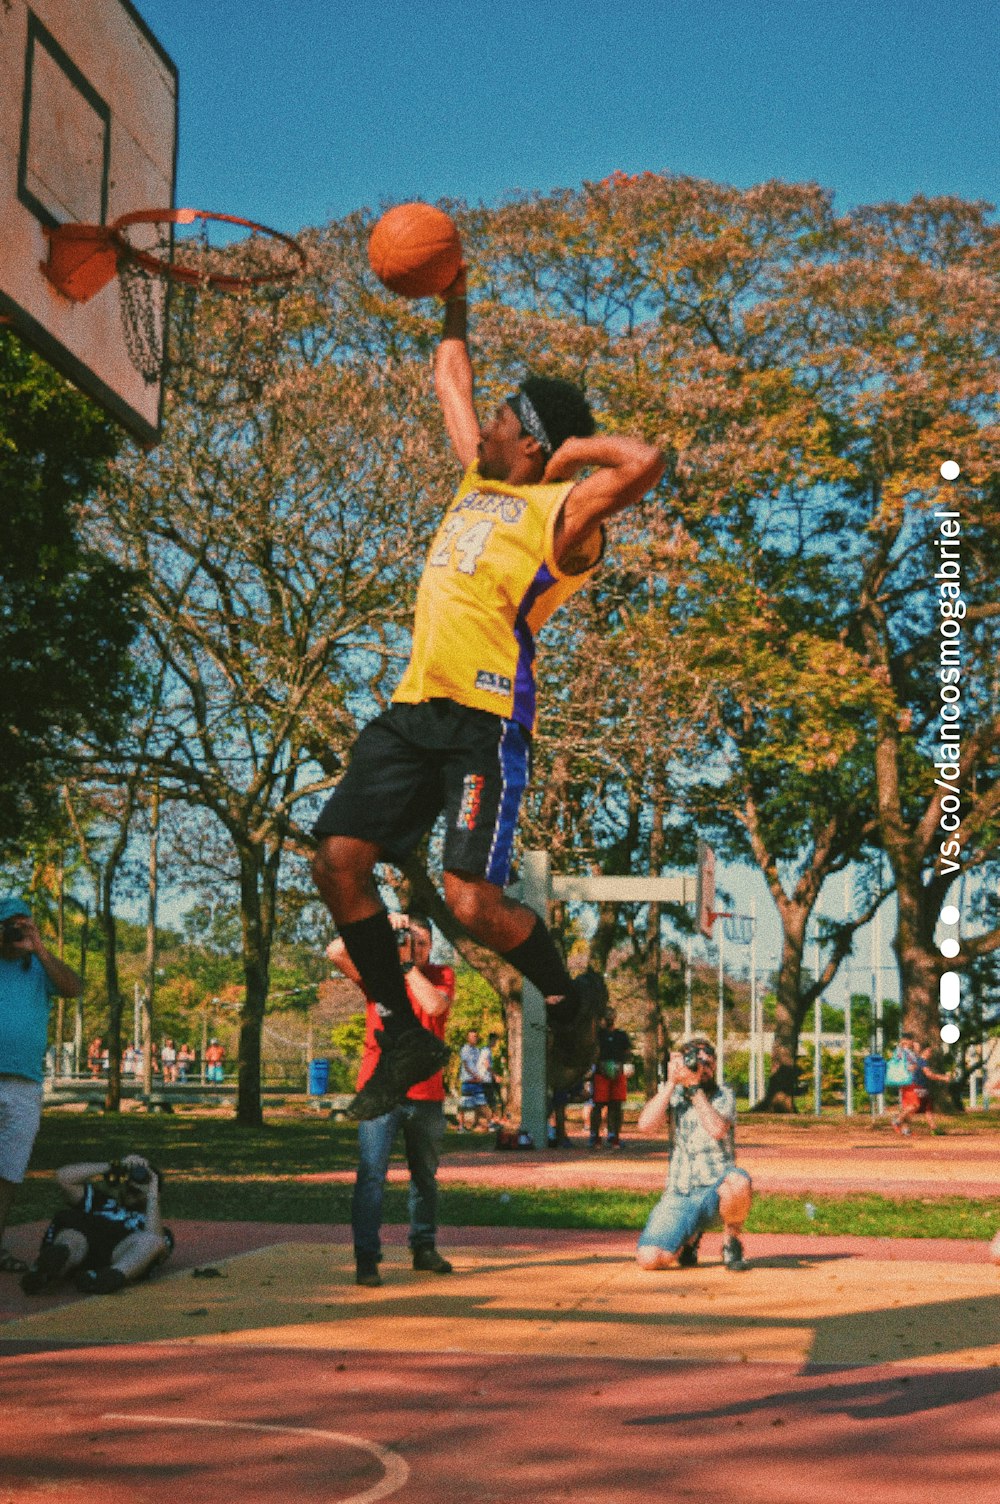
<point x="626" y="469"/>
<point x="453" y="376"/>
<point x="654" y="1114"/>
<point x="73" y="1179"/>
<point x="427" y="996"/>
<point x="63" y="978"/>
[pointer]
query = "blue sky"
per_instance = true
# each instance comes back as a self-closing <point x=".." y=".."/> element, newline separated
<point x="297" y="113"/>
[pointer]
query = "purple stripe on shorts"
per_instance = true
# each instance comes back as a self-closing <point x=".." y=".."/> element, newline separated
<point x="524" y="677"/>
<point x="514" y="757"/>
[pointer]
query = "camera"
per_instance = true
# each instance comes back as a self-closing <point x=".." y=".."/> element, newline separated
<point x="12" y="931"/>
<point x="403" y="937"/>
<point x="692" y="1056"/>
<point x="119" y="1174"/>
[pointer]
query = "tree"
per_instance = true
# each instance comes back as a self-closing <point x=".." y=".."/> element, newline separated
<point x="67" y="613"/>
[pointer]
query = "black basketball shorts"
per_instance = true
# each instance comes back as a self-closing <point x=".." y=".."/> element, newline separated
<point x="416" y="761"/>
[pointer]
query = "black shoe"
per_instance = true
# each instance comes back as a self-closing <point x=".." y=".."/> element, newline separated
<point x="687" y="1256"/>
<point x="100" y="1281"/>
<point x="366" y="1273"/>
<point x="732" y="1255"/>
<point x="47" y="1268"/>
<point x="430" y="1261"/>
<point x="411" y="1058"/>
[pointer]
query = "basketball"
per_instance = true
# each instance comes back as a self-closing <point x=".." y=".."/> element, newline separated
<point x="415" y="250"/>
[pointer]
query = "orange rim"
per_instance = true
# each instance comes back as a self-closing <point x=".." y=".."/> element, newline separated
<point x="176" y="271"/>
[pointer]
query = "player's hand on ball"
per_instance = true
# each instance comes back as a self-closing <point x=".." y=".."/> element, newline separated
<point x="459" y="288"/>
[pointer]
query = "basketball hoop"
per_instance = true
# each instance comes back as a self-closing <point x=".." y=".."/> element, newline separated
<point x="738" y="928"/>
<point x="83" y="259"/>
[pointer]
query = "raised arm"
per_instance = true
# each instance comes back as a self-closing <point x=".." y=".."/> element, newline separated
<point x="453" y="375"/>
<point x="626" y="469"/>
<point x="64" y="980"/>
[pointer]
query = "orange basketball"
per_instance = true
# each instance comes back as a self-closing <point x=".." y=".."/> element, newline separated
<point x="414" y="249"/>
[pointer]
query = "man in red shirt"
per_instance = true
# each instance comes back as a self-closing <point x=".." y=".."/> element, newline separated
<point x="431" y="991"/>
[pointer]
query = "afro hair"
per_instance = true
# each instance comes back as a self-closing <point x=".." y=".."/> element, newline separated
<point x="562" y="407"/>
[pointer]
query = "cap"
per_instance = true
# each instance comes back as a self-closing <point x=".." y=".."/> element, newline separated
<point x="11" y="908"/>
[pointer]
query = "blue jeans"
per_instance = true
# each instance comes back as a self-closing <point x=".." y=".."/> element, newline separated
<point x="423" y="1134"/>
<point x="676" y="1220"/>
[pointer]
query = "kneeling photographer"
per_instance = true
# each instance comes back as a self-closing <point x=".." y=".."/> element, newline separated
<point x="704" y="1182"/>
<point x="111" y="1232"/>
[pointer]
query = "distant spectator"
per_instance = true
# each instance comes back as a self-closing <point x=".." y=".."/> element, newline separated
<point x="610" y="1083"/>
<point x="917" y="1099"/>
<point x="185" y="1061"/>
<point x="94" y="1050"/>
<point x="472" y="1092"/>
<point x="168" y="1061"/>
<point x="214" y="1057"/>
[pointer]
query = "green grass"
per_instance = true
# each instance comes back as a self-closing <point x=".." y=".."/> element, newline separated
<point x="217" y="1171"/>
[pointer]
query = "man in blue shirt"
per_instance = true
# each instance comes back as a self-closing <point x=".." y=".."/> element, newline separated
<point x="30" y="977"/>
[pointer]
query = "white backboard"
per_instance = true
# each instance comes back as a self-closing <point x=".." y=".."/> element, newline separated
<point x="88" y="131"/>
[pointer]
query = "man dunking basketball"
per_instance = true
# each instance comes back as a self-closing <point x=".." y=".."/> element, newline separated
<point x="517" y="540"/>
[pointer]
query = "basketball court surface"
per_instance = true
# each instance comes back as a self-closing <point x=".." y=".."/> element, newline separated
<point x="547" y="1367"/>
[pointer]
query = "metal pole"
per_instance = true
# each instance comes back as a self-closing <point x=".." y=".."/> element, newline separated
<point x="817" y="1040"/>
<point x="877" y="997"/>
<point x="755" y="1082"/>
<point x="536" y="889"/>
<point x="848" y="1058"/>
<point x="689" y="989"/>
<point x="720" y="1018"/>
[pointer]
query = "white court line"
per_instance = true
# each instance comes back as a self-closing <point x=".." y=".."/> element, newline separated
<point x="396" y="1470"/>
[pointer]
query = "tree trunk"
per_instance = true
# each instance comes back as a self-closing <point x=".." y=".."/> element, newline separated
<point x="782" y="1085"/>
<point x="651" y="1036"/>
<point x="258" y="881"/>
<point x="514" y="1023"/>
<point x="113" y="1095"/>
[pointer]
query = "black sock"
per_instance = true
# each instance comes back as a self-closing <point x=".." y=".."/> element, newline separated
<point x="538" y="959"/>
<point x="371" y="945"/>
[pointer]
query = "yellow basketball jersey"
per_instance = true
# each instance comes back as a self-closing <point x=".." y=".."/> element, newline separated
<point x="489" y="584"/>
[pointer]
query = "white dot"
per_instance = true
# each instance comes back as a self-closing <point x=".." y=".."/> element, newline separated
<point x="949" y="914"/>
<point x="951" y="1033"/>
<point x="950" y="470"/>
<point x="950" y="948"/>
<point x="950" y="989"/>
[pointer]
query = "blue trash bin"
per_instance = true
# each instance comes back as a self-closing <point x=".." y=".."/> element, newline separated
<point x="874" y="1075"/>
<point x="319" y="1077"/>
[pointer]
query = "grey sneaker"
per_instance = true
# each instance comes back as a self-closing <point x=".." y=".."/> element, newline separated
<point x="732" y="1255"/>
<point x="413" y="1057"/>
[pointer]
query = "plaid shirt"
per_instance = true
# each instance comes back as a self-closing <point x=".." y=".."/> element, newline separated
<point x="697" y="1159"/>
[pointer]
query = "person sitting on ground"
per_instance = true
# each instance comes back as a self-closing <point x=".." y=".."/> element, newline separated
<point x="109" y="1235"/>
<point x="704" y="1181"/>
